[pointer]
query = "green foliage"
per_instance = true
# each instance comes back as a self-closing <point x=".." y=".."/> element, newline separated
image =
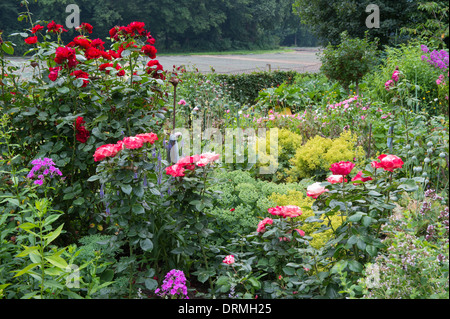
<point x="246" y="87"/>
<point x="315" y="157"/>
<point x="349" y="61"/>
<point x="327" y="20"/>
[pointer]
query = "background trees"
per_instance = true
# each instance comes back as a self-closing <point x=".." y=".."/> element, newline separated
<point x="181" y="25"/>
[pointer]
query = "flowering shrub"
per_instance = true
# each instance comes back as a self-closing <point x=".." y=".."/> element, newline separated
<point x="316" y="155"/>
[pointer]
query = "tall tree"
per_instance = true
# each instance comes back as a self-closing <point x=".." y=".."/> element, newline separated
<point x="329" y="18"/>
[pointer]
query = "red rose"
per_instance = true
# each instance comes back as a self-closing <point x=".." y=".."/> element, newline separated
<point x="81" y="75"/>
<point x="36" y="28"/>
<point x="53" y="75"/>
<point x="55" y="28"/>
<point x="80" y="41"/>
<point x="359" y="177"/>
<point x="82" y="134"/>
<point x="155" y="69"/>
<point x="31" y="40"/>
<point x="98" y="44"/>
<point x="92" y="53"/>
<point x="342" y="168"/>
<point x="376" y="164"/>
<point x="390" y="162"/>
<point x="85" y="27"/>
<point x="149" y="50"/>
<point x="66" y="55"/>
<point x="335" y="179"/>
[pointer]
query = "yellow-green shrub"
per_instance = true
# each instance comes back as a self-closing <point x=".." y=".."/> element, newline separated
<point x="288" y="143"/>
<point x="297" y="198"/>
<point x="315" y="157"/>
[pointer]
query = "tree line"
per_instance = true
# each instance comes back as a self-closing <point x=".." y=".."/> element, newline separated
<point x="177" y="25"/>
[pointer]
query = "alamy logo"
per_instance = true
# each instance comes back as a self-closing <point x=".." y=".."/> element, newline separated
<point x="373" y="20"/>
<point x="73" y="19"/>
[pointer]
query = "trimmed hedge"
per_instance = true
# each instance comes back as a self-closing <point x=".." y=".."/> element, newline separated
<point x="245" y="87"/>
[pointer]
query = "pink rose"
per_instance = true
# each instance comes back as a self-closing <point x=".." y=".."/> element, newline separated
<point x="182" y="102"/>
<point x="175" y="171"/>
<point x="229" y="260"/>
<point x="133" y="142"/>
<point x="315" y="190"/>
<point x="262" y="224"/>
<point x="300" y="232"/>
<point x="335" y="179"/>
<point x="148" y="137"/>
<point x="342" y="168"/>
<point x="108" y="150"/>
<point x="390" y="162"/>
<point x="290" y="211"/>
<point x="359" y="177"/>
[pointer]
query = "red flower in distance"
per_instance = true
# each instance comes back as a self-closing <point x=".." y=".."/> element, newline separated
<point x="36" y="28"/>
<point x="82" y="134"/>
<point x="342" y="168"/>
<point x="85" y="27"/>
<point x="31" y="40"/>
<point x="55" y="28"/>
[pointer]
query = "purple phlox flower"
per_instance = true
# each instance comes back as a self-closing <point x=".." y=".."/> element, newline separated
<point x="174" y="284"/>
<point x="42" y="168"/>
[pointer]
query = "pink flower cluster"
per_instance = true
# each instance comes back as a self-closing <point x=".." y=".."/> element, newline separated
<point x="391" y="83"/>
<point x="441" y="79"/>
<point x="341" y="169"/>
<point x="190" y="163"/>
<point x="345" y="104"/>
<point x="286" y="211"/>
<point x="134" y="142"/>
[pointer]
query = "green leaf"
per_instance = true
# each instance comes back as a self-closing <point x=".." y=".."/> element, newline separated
<point x="289" y="271"/>
<point x="25" y="270"/>
<point x="127" y="189"/>
<point x="53" y="235"/>
<point x="255" y="282"/>
<point x="63" y="90"/>
<point x="27" y="251"/>
<point x="79" y="201"/>
<point x="8" y="48"/>
<point x="138" y="209"/>
<point x="57" y="261"/>
<point x="355" y="266"/>
<point x="356" y="217"/>
<point x="93" y="178"/>
<point x="146" y="244"/>
<point x="372" y="250"/>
